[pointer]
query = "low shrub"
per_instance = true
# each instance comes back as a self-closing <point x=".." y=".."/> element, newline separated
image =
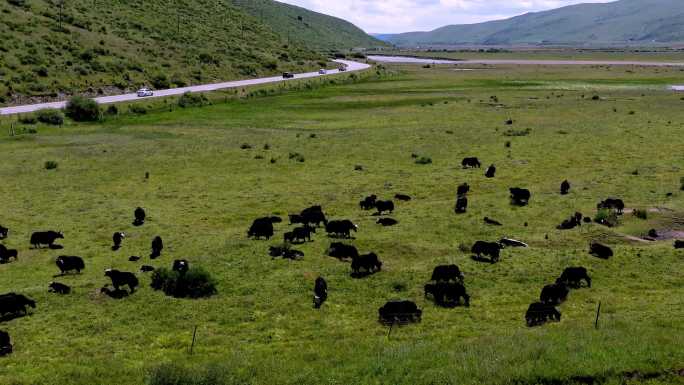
<point x="195" y="283"/>
<point x="512" y="132"/>
<point x="173" y="374"/>
<point x="137" y="109"/>
<point x="424" y="160"/>
<point x="296" y="157"/>
<point x="50" y="116"/>
<point x="112" y="110"/>
<point x="607" y="217"/>
<point x="51" y="165"/>
<point x="28" y="119"/>
<point x="82" y="109"/>
<point x="641" y="214"/>
<point x="189" y="99"/>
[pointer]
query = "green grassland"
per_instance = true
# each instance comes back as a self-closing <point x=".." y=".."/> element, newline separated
<point x="204" y="191"/>
<point x="618" y="54"/>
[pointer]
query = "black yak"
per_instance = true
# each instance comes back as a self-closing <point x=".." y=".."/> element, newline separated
<point x="67" y="263"/>
<point x="341" y="228"/>
<point x="157" y="247"/>
<point x="384" y="206"/>
<point x="47" y="238"/>
<point x="399" y="312"/>
<point x="139" y="216"/>
<point x="447" y="294"/>
<point x="117" y="238"/>
<point x="470" y="163"/>
<point x="368" y="203"/>
<point x="366" y="264"/>
<point x="59" y="288"/>
<point x="520" y="196"/>
<point x="122" y="278"/>
<point x="320" y="292"/>
<point x="600" y="251"/>
<point x="341" y="251"/>
<point x="539" y="313"/>
<point x="491" y="171"/>
<point x="573" y="276"/>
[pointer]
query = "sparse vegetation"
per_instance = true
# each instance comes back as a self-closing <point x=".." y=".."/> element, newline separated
<point x="51" y="165"/>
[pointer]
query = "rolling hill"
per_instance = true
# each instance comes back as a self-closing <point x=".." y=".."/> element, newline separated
<point x="97" y="47"/>
<point x="311" y="29"/>
<point x="620" y="22"/>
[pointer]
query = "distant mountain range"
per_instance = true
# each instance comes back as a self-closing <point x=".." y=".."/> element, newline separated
<point x="620" y="22"/>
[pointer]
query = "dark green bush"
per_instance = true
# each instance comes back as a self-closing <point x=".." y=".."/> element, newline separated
<point x="173" y="374"/>
<point x="112" y="110"/>
<point x="424" y="160"/>
<point x="28" y="119"/>
<point x="195" y="283"/>
<point x="83" y="109"/>
<point x="641" y="214"/>
<point x="607" y="217"/>
<point x="160" y="81"/>
<point x="296" y="156"/>
<point x="50" y="116"/>
<point x="512" y="132"/>
<point x="51" y="165"/>
<point x="137" y="109"/>
<point x="189" y="99"/>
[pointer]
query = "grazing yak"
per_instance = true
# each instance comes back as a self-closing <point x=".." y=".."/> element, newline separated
<point x="490" y="249"/>
<point x="569" y="224"/>
<point x="399" y="312"/>
<point x="285" y="252"/>
<point x="299" y="234"/>
<point x="181" y="266"/>
<point x="447" y="294"/>
<point x="470" y="163"/>
<point x="15" y="304"/>
<point x="446" y="273"/>
<point x="539" y="313"/>
<point x="402" y="197"/>
<point x="67" y="263"/>
<point x="7" y="254"/>
<point x="117" y="238"/>
<point x="341" y="251"/>
<point x="565" y="187"/>
<point x="115" y="294"/>
<point x="4" y="232"/>
<point x="387" y="222"/>
<point x="59" y="288"/>
<point x="461" y="205"/>
<point x="294" y="219"/>
<point x="5" y="344"/>
<point x="384" y="206"/>
<point x="320" y="292"/>
<point x="520" y="196"/>
<point x="261" y="227"/>
<point x="366" y="264"/>
<point x="341" y="228"/>
<point x="492" y="222"/>
<point x="462" y="190"/>
<point x="47" y="238"/>
<point x="678" y="244"/>
<point x="157" y="247"/>
<point x="612" y="204"/>
<point x="313" y="216"/>
<point x="122" y="278"/>
<point x="600" y="251"/>
<point x="573" y="276"/>
<point x="139" y="216"/>
<point x="491" y="171"/>
<point x="368" y="203"/>
<point x="554" y="294"/>
<point x="146" y="269"/>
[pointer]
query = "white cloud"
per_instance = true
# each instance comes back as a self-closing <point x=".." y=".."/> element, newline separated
<point x="392" y="16"/>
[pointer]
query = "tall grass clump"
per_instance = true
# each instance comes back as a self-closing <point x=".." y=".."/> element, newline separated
<point x="173" y="374"/>
<point x="50" y="116"/>
<point x="195" y="283"/>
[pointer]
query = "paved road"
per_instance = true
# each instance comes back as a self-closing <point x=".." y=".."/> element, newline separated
<point x="404" y="59"/>
<point x="352" y="66"/>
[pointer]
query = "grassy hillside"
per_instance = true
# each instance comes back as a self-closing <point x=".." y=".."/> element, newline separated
<point x="620" y="22"/>
<point x="204" y="190"/>
<point x="312" y="29"/>
<point x="104" y="47"/>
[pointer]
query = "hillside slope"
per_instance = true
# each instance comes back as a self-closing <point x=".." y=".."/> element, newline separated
<point x="625" y="21"/>
<point x="107" y="47"/>
<point x="306" y="27"/>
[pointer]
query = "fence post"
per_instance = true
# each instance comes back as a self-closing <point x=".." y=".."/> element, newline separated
<point x="389" y="334"/>
<point x="194" y="334"/>
<point x="598" y="313"/>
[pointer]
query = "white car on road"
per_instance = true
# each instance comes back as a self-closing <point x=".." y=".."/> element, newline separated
<point x="143" y="92"/>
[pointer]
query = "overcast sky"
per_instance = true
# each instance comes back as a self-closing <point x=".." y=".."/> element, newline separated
<point x="392" y="16"/>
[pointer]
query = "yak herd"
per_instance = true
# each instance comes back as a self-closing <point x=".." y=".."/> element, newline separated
<point x="446" y="287"/>
<point x="14" y="305"/>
